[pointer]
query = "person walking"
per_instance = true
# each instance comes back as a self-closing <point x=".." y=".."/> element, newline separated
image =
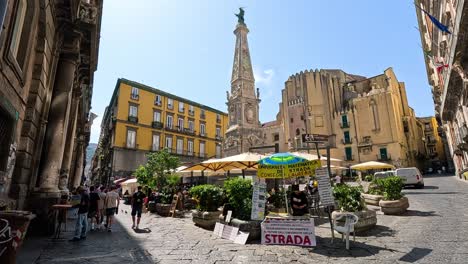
<point x="101" y="208"/>
<point x="81" y="226"/>
<point x="111" y="204"/>
<point x="137" y="206"/>
<point x="93" y="213"/>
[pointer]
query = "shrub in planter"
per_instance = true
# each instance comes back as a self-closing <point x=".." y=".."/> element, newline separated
<point x="239" y="196"/>
<point x="349" y="200"/>
<point x="393" y="201"/>
<point x="369" y="178"/>
<point x="209" y="198"/>
<point x="374" y="192"/>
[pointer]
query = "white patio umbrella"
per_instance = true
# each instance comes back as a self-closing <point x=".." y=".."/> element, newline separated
<point x="372" y="165"/>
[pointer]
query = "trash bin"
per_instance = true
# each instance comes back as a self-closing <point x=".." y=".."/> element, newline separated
<point x="15" y="225"/>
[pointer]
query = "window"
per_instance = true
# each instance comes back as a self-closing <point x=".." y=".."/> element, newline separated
<point x="218" y="132"/>
<point x="202" y="129"/>
<point x="181" y="107"/>
<point x="133" y="111"/>
<point x="155" y="146"/>
<point x="302" y="117"/>
<point x="180" y="146"/>
<point x="157" y="116"/>
<point x="158" y="100"/>
<point x="7" y="125"/>
<point x="169" y="143"/>
<point x="170" y="103"/>
<point x="190" y="147"/>
<point x="383" y="154"/>
<point x="18" y="27"/>
<point x="169" y="120"/>
<point x="180" y="124"/>
<point x="202" y="149"/>
<point x="298" y="132"/>
<point x="346" y="137"/>
<point x="191" y="110"/>
<point x="292" y="120"/>
<point x="218" y="118"/>
<point x="191" y="126"/>
<point x="202" y="113"/>
<point x="344" y="121"/>
<point x="349" y="153"/>
<point x="218" y="151"/>
<point x="276" y="137"/>
<point x="131" y="138"/>
<point x="3" y="4"/>
<point x="134" y="93"/>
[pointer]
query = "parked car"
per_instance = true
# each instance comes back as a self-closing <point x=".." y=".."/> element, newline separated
<point x="383" y="174"/>
<point x="412" y="176"/>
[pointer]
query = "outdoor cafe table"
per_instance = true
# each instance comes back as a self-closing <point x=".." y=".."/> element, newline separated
<point x="284" y="229"/>
<point x="60" y="217"/>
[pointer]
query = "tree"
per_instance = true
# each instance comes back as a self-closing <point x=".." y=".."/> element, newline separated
<point x="159" y="166"/>
<point x="144" y="177"/>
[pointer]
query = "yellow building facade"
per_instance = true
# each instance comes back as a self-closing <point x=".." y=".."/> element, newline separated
<point x="436" y="155"/>
<point x="141" y="119"/>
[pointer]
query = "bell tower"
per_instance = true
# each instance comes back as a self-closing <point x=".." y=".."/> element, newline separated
<point x="243" y="101"/>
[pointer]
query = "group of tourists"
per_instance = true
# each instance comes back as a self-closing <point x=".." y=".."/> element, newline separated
<point x="95" y="204"/>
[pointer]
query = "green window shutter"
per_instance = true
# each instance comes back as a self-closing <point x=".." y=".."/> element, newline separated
<point x="349" y="153"/>
<point x="346" y="136"/>
<point x="383" y="154"/>
<point x="344" y="119"/>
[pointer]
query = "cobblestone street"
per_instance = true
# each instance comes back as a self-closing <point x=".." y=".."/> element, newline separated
<point x="434" y="230"/>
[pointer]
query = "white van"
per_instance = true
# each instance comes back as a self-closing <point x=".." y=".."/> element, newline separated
<point x="383" y="174"/>
<point x="412" y="176"/>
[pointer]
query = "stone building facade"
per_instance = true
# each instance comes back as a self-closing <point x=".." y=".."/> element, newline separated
<point x="49" y="52"/>
<point x="366" y="119"/>
<point x="446" y="59"/>
<point x="435" y="147"/>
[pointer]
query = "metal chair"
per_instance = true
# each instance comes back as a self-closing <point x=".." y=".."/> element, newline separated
<point x="347" y="228"/>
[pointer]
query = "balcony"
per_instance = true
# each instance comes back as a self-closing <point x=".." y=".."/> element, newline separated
<point x="431" y="142"/>
<point x="170" y="106"/>
<point x="383" y="158"/>
<point x="156" y="124"/>
<point x="365" y="142"/>
<point x="344" y="124"/>
<point x="218" y="120"/>
<point x="158" y="103"/>
<point x="191" y="112"/>
<point x="347" y="141"/>
<point x="218" y="138"/>
<point x="202" y="116"/>
<point x="188" y="131"/>
<point x="202" y="135"/>
<point x="133" y="119"/>
<point x="170" y="128"/>
<point x="348" y="158"/>
<point x="181" y="110"/>
<point x="134" y="96"/>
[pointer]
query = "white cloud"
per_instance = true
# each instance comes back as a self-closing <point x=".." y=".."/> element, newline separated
<point x="263" y="77"/>
<point x="96" y="129"/>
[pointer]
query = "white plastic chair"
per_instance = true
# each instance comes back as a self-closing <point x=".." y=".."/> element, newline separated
<point x="347" y="228"/>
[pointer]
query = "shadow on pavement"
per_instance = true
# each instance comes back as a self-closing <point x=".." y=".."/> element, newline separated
<point x="377" y="231"/>
<point x="118" y="246"/>
<point x="422" y="192"/>
<point x="338" y="248"/>
<point x="142" y="231"/>
<point x="419" y="213"/>
<point x="415" y="254"/>
<point x="427" y="187"/>
<point x="438" y="175"/>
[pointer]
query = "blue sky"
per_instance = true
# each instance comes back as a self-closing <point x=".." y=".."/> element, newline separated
<point x="186" y="47"/>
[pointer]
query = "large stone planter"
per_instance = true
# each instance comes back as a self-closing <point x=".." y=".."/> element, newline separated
<point x="394" y="207"/>
<point x="206" y="220"/>
<point x="13" y="230"/>
<point x="367" y="220"/>
<point x="163" y="209"/>
<point x="251" y="226"/>
<point x="371" y="198"/>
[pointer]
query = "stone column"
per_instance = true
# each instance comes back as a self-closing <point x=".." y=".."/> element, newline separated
<point x="59" y="115"/>
<point x="69" y="145"/>
<point x="75" y="182"/>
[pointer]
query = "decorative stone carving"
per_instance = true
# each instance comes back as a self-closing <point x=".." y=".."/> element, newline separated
<point x="87" y="13"/>
<point x="249" y="113"/>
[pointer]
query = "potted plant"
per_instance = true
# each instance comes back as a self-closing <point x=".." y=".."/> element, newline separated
<point x="349" y="200"/>
<point x="209" y="198"/>
<point x="393" y="202"/>
<point x="239" y="197"/>
<point x="374" y="193"/>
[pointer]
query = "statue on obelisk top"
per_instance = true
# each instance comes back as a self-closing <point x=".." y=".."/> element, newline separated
<point x="240" y="16"/>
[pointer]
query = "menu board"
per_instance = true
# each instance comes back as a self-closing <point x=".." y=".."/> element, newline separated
<point x="258" y="199"/>
<point x="324" y="187"/>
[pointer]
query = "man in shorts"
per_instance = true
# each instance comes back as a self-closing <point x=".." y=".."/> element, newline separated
<point x="111" y="204"/>
<point x="137" y="206"/>
<point x="101" y="207"/>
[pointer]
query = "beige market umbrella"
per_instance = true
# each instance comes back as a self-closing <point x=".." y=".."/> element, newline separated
<point x="243" y="161"/>
<point x="309" y="156"/>
<point x="211" y="165"/>
<point x="333" y="167"/>
<point x="372" y="165"/>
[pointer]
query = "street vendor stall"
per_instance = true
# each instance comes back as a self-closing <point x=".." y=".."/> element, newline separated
<point x="284" y="228"/>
